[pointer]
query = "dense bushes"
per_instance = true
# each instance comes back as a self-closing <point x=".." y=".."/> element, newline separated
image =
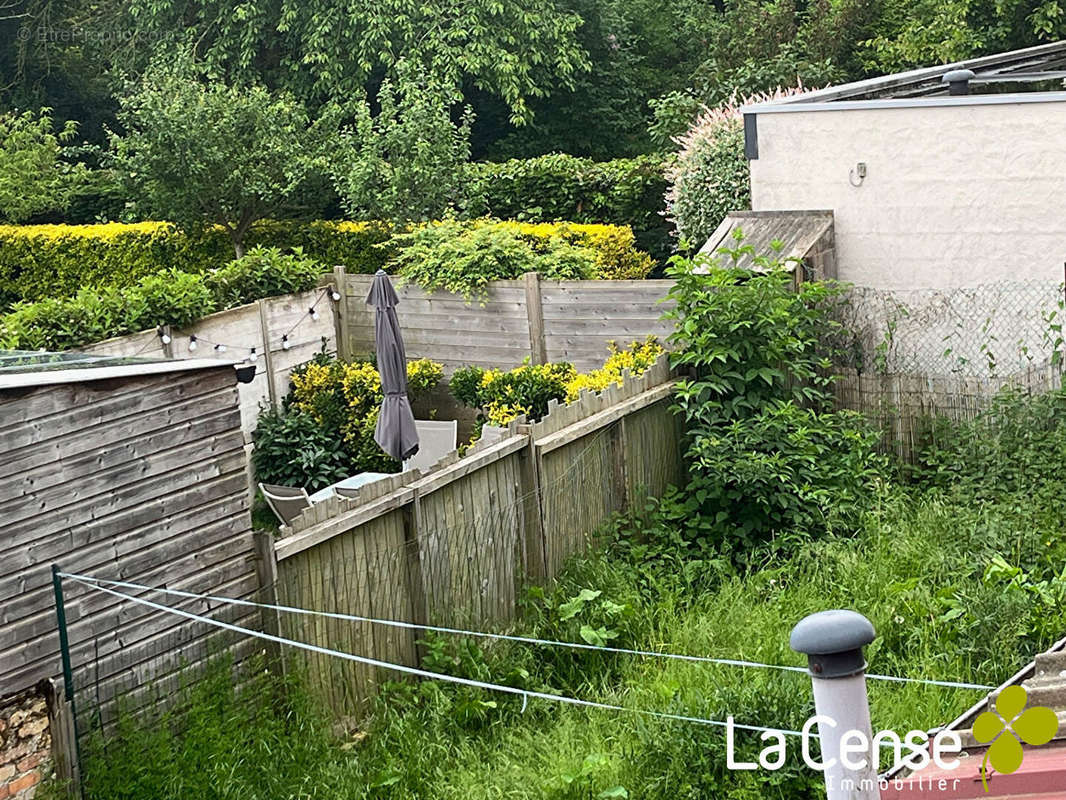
<point x="39" y="261"/>
<point x="562" y="187"/>
<point x="767" y="456"/>
<point x="710" y="176"/>
<point x="462" y="257"/>
<point x="170" y="297"/>
<point x="45" y="261"/>
<point x="326" y="430"/>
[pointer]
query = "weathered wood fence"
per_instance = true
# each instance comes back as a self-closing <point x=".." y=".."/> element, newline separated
<point x="455" y="545"/>
<point x="282" y="330"/>
<point x="533" y="318"/>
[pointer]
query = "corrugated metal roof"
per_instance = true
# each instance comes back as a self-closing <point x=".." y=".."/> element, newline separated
<point x="1042" y="775"/>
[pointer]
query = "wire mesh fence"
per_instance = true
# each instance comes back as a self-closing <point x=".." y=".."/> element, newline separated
<point x="987" y="331"/>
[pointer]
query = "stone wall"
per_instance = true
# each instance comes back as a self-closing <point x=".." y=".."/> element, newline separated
<point x="25" y="744"/>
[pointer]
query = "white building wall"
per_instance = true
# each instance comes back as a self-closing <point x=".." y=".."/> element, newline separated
<point x="954" y="196"/>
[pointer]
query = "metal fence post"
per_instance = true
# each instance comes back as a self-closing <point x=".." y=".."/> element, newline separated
<point x="833" y="642"/>
<point x="68" y="673"/>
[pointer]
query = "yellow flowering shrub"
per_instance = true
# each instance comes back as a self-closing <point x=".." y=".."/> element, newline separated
<point x="637" y="358"/>
<point x="344" y="399"/>
<point x="503" y="396"/>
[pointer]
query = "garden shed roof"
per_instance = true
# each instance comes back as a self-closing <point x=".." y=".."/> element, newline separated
<point x="22" y="368"/>
<point x="795" y="236"/>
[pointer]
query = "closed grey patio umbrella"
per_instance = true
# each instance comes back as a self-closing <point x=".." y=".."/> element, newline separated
<point x="395" y="432"/>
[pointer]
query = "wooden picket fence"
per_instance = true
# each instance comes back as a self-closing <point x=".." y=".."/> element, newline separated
<point x="456" y="544"/>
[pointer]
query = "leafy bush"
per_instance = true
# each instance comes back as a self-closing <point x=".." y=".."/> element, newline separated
<point x="326" y="431"/>
<point x="294" y="450"/>
<point x="462" y="257"/>
<point x="167" y="298"/>
<point x="562" y="187"/>
<point x="501" y="396"/>
<point x="766" y="454"/>
<point x="60" y="324"/>
<point x="264" y="272"/>
<point x="45" y="261"/>
<point x="33" y="176"/>
<point x="637" y="357"/>
<point x="711" y="176"/>
<point x="1009" y="450"/>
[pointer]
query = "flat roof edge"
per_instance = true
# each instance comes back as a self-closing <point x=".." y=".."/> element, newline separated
<point x="914" y="76"/>
<point x="910" y="102"/>
<point x="22" y="380"/>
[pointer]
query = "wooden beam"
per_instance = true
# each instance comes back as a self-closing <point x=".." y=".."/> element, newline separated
<point x="268" y="357"/>
<point x="538" y="348"/>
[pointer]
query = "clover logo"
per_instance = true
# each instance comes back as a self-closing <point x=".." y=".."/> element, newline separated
<point x="1010" y="725"/>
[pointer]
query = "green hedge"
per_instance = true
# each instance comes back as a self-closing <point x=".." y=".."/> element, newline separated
<point x="56" y="261"/>
<point x="168" y="297"/>
<point x="560" y="187"/>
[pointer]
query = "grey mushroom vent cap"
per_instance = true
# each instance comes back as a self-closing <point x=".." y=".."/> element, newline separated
<point x="828" y="632"/>
<point x="833" y="642"/>
<point x="957" y="76"/>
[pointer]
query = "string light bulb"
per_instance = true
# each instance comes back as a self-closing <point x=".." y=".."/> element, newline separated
<point x="314" y="313"/>
<point x="285" y="343"/>
<point x="192" y="342"/>
<point x="252" y="355"/>
<point x="335" y="296"/>
<point x="221" y="348"/>
<point x="165" y="338"/>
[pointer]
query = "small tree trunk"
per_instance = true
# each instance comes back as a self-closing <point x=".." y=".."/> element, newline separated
<point x="238" y="248"/>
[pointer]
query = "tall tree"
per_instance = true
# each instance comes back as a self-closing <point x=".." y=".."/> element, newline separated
<point x="321" y="49"/>
<point x="202" y="153"/>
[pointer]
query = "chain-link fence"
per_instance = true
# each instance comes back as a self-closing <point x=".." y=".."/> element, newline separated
<point x="989" y="331"/>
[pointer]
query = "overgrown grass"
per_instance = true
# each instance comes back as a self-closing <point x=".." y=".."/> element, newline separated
<point x="916" y="566"/>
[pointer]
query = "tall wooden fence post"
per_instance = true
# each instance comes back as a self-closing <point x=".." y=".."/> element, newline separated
<point x="416" y="587"/>
<point x="341" y="320"/>
<point x="266" y="569"/>
<point x="538" y="349"/>
<point x="268" y="356"/>
<point x="534" y="543"/>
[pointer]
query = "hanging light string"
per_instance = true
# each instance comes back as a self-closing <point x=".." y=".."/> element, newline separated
<point x="194" y="341"/>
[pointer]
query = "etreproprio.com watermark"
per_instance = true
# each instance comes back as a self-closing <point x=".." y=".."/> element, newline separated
<point x="83" y="34"/>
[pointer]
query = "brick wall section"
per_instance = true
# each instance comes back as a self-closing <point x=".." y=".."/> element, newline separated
<point x="25" y="744"/>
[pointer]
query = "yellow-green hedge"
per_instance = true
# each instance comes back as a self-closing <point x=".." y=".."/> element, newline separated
<point x="42" y="261"/>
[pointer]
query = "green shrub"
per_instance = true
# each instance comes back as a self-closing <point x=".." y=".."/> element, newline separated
<point x="766" y="454"/>
<point x="462" y="257"/>
<point x="1009" y="450"/>
<point x="294" y="450"/>
<point x="168" y="298"/>
<point x="60" y="324"/>
<point x="263" y="272"/>
<point x="504" y="395"/>
<point x="326" y="431"/>
<point x="710" y="176"/>
<point x="562" y="187"/>
<point x="40" y="261"/>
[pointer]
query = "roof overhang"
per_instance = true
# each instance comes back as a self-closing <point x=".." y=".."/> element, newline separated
<point x="879" y="92"/>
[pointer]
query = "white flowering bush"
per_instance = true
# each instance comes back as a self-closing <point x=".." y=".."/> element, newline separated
<point x="710" y="176"/>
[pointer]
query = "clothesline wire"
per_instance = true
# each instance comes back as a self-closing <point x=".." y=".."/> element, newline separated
<point x="96" y="583"/>
<point x="526" y="694"/>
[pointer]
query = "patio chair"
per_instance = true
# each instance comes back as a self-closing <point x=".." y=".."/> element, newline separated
<point x="436" y="438"/>
<point x="286" y="502"/>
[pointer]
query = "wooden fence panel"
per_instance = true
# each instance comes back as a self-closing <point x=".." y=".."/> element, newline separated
<point x="452" y="546"/>
<point x="259" y="325"/>
<point x="582" y="317"/>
